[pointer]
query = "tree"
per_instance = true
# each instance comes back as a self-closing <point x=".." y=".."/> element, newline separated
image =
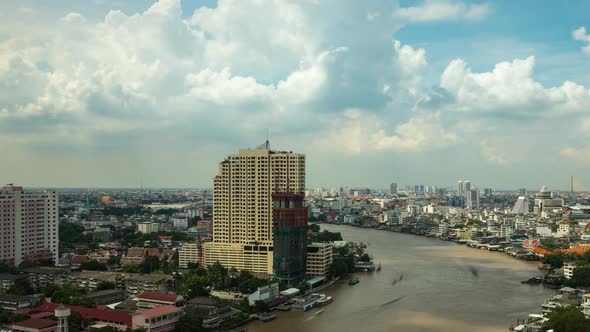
<point x="94" y="265"/>
<point x="555" y="260"/>
<point x="260" y="306"/>
<point x="104" y="285"/>
<point x="114" y="260"/>
<point x="150" y="264"/>
<point x="580" y="278"/>
<point x="190" y="323"/>
<point x="49" y="290"/>
<point x="21" y="287"/>
<point x="339" y="268"/>
<point x="365" y="258"/>
<point x="131" y="268"/>
<point x="568" y="319"/>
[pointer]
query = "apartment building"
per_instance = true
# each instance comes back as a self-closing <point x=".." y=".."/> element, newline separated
<point x="188" y="253"/>
<point x="28" y="225"/>
<point x="242" y="206"/>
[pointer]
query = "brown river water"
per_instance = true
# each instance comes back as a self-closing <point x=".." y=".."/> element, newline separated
<point x="439" y="291"/>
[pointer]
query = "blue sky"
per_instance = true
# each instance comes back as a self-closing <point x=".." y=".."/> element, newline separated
<point x="114" y="93"/>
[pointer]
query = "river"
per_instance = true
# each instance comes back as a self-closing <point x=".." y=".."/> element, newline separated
<point x="440" y="291"/>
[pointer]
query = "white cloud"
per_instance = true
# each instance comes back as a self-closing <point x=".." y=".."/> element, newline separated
<point x="492" y="153"/>
<point x="581" y="155"/>
<point x="357" y="131"/>
<point x="510" y="87"/>
<point x="443" y="10"/>
<point x="581" y="35"/>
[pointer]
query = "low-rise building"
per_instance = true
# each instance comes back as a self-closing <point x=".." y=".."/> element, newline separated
<point x="107" y="296"/>
<point x="18" y="302"/>
<point x="268" y="294"/>
<point x="35" y="325"/>
<point x="148" y="227"/>
<point x="8" y="280"/>
<point x="160" y="319"/>
<point x="319" y="259"/>
<point x="149" y="299"/>
<point x="40" y="277"/>
<point x="568" y="269"/>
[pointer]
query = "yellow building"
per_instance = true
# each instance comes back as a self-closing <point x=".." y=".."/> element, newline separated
<point x="319" y="259"/>
<point x="188" y="253"/>
<point x="242" y="206"/>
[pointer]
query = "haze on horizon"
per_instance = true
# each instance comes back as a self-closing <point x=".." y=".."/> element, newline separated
<point x="111" y="93"/>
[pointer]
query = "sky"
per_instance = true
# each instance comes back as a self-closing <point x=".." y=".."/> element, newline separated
<point x="113" y="93"/>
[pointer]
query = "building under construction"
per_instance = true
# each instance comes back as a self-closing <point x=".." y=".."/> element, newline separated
<point x="289" y="237"/>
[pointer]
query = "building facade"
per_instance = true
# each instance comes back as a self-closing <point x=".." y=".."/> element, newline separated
<point x="289" y="237"/>
<point x="319" y="259"/>
<point x="29" y="223"/>
<point x="148" y="227"/>
<point x="188" y="253"/>
<point x="242" y="206"/>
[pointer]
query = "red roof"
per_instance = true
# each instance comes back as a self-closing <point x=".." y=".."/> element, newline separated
<point x="80" y="259"/>
<point x="165" y="238"/>
<point x="90" y="313"/>
<point x="35" y="323"/>
<point x="153" y="251"/>
<point x="158" y="296"/>
<point x="160" y="311"/>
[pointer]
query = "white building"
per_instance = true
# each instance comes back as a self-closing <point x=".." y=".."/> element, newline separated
<point x="148" y="227"/>
<point x="568" y="269"/>
<point x="586" y="305"/>
<point x="544" y="231"/>
<point x="563" y="230"/>
<point x="180" y="222"/>
<point x="521" y="206"/>
<point x="266" y="293"/>
<point x="29" y="223"/>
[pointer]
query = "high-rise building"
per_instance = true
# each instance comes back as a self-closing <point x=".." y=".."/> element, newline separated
<point x="466" y="187"/>
<point x="487" y="191"/>
<point x="242" y="206"/>
<point x="460" y="188"/>
<point x="29" y="223"/>
<point x="289" y="237"/>
<point x="472" y="201"/>
<point x="393" y="188"/>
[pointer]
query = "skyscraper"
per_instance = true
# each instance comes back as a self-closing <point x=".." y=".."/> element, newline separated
<point x="242" y="206"/>
<point x="472" y="199"/>
<point x="393" y="188"/>
<point x="521" y="206"/>
<point x="460" y="188"/>
<point x="466" y="187"/>
<point x="29" y="225"/>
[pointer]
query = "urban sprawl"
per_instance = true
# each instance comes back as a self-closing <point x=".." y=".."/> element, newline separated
<point x="215" y="259"/>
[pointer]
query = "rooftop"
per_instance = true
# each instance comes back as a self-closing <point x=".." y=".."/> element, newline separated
<point x="160" y="311"/>
<point x="158" y="296"/>
<point x="36" y="323"/>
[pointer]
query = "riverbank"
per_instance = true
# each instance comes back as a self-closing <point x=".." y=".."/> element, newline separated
<point x="438" y="292"/>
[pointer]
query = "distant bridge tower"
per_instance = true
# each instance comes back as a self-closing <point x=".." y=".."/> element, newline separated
<point x="62" y="313"/>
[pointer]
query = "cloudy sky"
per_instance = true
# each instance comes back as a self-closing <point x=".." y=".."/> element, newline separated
<point x="118" y="93"/>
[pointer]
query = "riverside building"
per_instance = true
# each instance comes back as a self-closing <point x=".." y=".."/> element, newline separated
<point x="242" y="206"/>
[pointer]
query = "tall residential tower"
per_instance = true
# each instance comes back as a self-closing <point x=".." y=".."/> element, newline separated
<point x="28" y="225"/>
<point x="242" y="206"/>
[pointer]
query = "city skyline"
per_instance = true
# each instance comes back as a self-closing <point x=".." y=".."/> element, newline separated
<point x="154" y="93"/>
